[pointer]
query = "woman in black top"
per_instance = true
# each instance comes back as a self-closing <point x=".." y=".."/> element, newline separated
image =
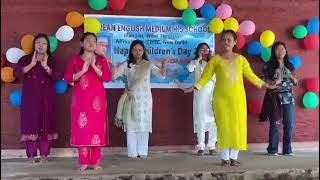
<point x="279" y="102"/>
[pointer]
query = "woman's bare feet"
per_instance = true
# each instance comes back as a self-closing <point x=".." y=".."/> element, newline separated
<point x="43" y="159"/>
<point x="83" y="167"/>
<point x="32" y="160"/>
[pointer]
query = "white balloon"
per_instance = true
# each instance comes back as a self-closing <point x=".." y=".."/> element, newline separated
<point x="65" y="33"/>
<point x="13" y="55"/>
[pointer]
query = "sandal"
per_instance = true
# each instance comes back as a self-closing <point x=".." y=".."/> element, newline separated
<point x="142" y="156"/>
<point x="212" y="152"/>
<point x="225" y="163"/>
<point x="235" y="162"/>
<point x="200" y="153"/>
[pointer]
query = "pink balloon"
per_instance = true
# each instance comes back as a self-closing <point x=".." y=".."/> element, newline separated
<point x="224" y="11"/>
<point x="241" y="41"/>
<point x="247" y="27"/>
<point x="196" y="4"/>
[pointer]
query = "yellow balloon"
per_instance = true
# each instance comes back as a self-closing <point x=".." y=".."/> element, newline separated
<point x="231" y="23"/>
<point x="180" y="4"/>
<point x="92" y="25"/>
<point x="27" y="43"/>
<point x="216" y="25"/>
<point x="267" y="38"/>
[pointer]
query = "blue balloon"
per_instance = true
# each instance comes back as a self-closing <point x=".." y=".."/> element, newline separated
<point x="61" y="86"/>
<point x="208" y="11"/>
<point x="254" y="48"/>
<point x="296" y="61"/>
<point x="15" y="98"/>
<point x="313" y="26"/>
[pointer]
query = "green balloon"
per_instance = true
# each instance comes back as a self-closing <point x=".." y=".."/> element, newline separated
<point x="310" y="100"/>
<point x="266" y="54"/>
<point x="53" y="41"/>
<point x="98" y="4"/>
<point x="189" y="17"/>
<point x="299" y="32"/>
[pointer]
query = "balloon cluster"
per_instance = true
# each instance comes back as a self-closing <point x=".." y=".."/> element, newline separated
<point x="220" y="19"/>
<point x="309" y="33"/>
<point x="117" y="5"/>
<point x="310" y="99"/>
<point x="7" y="71"/>
<point x="64" y="34"/>
<point x="310" y="36"/>
<point x="189" y="16"/>
<point x="209" y="12"/>
<point x="262" y="48"/>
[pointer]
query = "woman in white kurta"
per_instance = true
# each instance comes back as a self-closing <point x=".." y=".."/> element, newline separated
<point x="203" y="117"/>
<point x="137" y="106"/>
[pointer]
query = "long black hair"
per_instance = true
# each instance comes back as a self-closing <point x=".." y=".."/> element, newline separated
<point x="131" y="58"/>
<point x="83" y="37"/>
<point x="198" y="49"/>
<point x="273" y="64"/>
<point x="41" y="35"/>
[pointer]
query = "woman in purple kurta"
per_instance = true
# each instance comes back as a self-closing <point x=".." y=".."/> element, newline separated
<point x="38" y="118"/>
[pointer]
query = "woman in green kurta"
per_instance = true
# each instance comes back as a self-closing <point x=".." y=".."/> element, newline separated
<point x="229" y="98"/>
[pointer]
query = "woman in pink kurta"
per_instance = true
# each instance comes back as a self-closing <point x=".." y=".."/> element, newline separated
<point x="89" y="122"/>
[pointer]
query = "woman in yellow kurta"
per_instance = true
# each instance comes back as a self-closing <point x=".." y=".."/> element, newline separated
<point x="229" y="98"/>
